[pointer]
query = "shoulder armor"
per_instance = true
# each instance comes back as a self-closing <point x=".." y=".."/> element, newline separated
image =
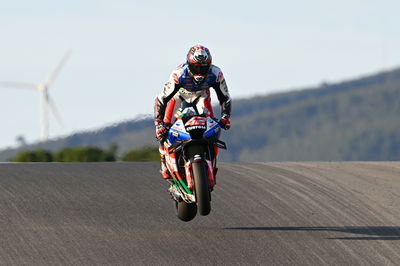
<point x="217" y="73"/>
<point x="178" y="73"/>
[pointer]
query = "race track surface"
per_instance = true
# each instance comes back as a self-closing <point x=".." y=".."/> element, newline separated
<point x="263" y="213"/>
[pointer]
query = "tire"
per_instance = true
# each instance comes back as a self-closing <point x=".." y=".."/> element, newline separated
<point x="185" y="211"/>
<point x="201" y="188"/>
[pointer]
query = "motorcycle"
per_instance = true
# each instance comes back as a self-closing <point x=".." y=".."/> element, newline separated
<point x="191" y="149"/>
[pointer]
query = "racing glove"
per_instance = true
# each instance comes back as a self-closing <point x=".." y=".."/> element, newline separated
<point x="225" y="122"/>
<point x="161" y="129"/>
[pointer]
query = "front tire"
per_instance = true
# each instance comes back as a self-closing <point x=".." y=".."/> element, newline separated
<point x="201" y="188"/>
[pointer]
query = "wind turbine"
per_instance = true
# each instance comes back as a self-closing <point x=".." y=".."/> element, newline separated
<point x="46" y="101"/>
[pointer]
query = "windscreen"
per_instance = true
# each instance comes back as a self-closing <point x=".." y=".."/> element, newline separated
<point x="190" y="109"/>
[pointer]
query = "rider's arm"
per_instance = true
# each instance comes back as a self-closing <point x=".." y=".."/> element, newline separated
<point x="222" y="92"/>
<point x="160" y="103"/>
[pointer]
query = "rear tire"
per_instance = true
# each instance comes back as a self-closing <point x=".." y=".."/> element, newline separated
<point x="201" y="188"/>
<point x="185" y="211"/>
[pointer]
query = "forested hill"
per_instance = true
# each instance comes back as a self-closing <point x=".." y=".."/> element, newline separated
<point x="351" y="120"/>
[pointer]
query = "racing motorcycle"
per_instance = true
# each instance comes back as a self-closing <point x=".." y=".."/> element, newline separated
<point x="191" y="148"/>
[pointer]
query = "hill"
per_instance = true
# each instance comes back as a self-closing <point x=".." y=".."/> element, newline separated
<point x="350" y="120"/>
<point x="126" y="135"/>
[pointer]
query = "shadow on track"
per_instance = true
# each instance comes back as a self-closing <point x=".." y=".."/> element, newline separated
<point x="371" y="232"/>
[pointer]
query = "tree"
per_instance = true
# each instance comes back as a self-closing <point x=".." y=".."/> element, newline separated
<point x="84" y="154"/>
<point x="144" y="154"/>
<point x="33" y="156"/>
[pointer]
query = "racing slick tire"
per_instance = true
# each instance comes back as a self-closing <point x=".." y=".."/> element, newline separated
<point x="201" y="188"/>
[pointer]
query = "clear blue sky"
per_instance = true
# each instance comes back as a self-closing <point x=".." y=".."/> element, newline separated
<point x="123" y="51"/>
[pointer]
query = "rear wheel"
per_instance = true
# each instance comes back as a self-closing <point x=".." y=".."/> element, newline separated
<point x="185" y="211"/>
<point x="201" y="188"/>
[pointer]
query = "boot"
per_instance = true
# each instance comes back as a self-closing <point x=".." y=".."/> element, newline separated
<point x="164" y="171"/>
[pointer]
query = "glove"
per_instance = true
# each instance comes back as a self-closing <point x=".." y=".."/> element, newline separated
<point x="161" y="130"/>
<point x="225" y="122"/>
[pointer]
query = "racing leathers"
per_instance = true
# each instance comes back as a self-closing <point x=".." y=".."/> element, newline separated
<point x="181" y="86"/>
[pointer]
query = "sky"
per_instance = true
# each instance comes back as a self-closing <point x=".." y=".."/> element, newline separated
<point x="123" y="51"/>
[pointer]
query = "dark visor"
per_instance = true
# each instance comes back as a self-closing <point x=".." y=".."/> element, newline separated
<point x="199" y="69"/>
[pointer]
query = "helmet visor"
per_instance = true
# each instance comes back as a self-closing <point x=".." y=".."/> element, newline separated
<point x="198" y="69"/>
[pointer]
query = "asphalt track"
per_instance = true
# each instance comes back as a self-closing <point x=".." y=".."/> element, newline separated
<point x="263" y="213"/>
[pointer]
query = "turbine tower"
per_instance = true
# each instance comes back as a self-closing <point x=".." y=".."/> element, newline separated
<point x="46" y="101"/>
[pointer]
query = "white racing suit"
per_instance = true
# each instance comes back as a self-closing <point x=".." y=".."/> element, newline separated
<point x="181" y="86"/>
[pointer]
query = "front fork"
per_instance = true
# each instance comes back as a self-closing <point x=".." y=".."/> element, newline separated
<point x="210" y="173"/>
<point x="171" y="162"/>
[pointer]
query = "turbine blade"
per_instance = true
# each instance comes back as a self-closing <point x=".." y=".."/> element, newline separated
<point x="22" y="85"/>
<point x="54" y="111"/>
<point x="57" y="70"/>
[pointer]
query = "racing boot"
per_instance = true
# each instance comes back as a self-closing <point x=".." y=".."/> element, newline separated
<point x="164" y="169"/>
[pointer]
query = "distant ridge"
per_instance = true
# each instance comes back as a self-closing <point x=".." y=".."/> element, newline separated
<point x="279" y="99"/>
<point x="127" y="135"/>
<point x="349" y="120"/>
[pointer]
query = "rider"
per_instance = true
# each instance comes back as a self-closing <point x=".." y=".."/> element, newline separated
<point x="187" y="82"/>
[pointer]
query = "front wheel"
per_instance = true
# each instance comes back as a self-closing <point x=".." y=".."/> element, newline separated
<point x="201" y="188"/>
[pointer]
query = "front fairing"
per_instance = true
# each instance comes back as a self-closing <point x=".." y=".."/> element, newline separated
<point x="177" y="134"/>
<point x="213" y="130"/>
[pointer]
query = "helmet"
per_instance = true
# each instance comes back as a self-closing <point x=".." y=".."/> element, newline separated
<point x="199" y="62"/>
